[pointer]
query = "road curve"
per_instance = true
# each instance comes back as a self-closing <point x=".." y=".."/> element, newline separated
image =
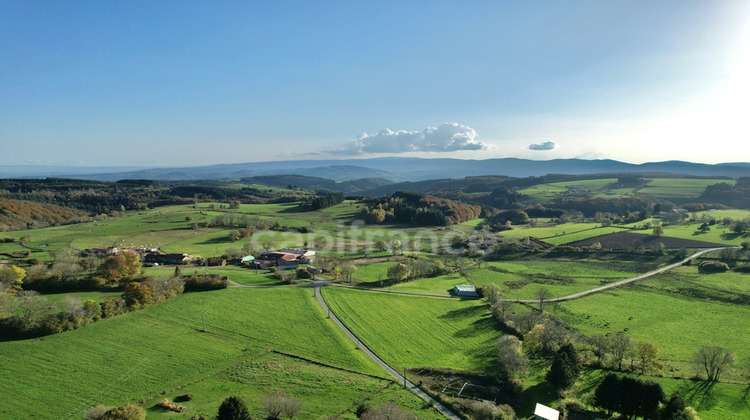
<point x="620" y="282"/>
<point x="400" y="378"/>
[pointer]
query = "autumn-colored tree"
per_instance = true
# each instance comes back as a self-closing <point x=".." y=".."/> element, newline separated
<point x="399" y="272"/>
<point x="121" y="268"/>
<point x="12" y="278"/>
<point x="648" y="355"/>
<point x="137" y="294"/>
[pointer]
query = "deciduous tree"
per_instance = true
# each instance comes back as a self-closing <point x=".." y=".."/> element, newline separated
<point x="12" y="278"/>
<point x="648" y="356"/>
<point x="542" y="294"/>
<point x="713" y="361"/>
<point x="389" y="411"/>
<point x="347" y="271"/>
<point x="514" y="365"/>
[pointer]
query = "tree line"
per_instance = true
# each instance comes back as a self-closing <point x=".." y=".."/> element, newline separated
<point x="24" y="312"/>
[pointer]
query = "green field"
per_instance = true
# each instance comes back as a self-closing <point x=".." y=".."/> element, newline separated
<point x="677" y="312"/>
<point x="138" y="355"/>
<point x="669" y="188"/>
<point x="662" y="188"/>
<point x="719" y="234"/>
<point x="438" y="332"/>
<point x="323" y="390"/>
<point x="237" y="274"/>
<point x="520" y="278"/>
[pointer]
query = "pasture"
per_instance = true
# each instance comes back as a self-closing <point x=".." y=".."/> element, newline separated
<point x="323" y="390"/>
<point x="141" y="354"/>
<point x="678" y="312"/>
<point x="413" y="331"/>
<point x="660" y="188"/>
<point x="522" y="276"/>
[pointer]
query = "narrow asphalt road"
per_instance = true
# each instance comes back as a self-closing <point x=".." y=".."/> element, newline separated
<point x="400" y="378"/>
<point x="617" y="283"/>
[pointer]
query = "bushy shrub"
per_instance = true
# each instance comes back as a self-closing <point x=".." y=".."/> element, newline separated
<point x="713" y="267"/>
<point x="197" y="283"/>
<point x="184" y="397"/>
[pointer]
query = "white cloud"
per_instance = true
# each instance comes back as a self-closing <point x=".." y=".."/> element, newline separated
<point x="448" y="137"/>
<point x="547" y="145"/>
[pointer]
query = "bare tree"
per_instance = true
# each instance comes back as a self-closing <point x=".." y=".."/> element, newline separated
<point x="542" y="294"/>
<point x="388" y="410"/>
<point x="347" y="271"/>
<point x="277" y="403"/>
<point x="713" y="360"/>
<point x="500" y="309"/>
<point x="600" y="347"/>
<point x="619" y="346"/>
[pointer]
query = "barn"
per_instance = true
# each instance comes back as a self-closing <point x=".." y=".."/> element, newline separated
<point x="465" y="291"/>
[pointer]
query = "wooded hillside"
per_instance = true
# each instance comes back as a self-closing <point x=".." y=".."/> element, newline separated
<point x="419" y="209"/>
<point x="22" y="214"/>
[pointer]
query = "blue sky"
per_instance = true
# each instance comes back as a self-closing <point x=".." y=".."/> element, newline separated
<point x="186" y="83"/>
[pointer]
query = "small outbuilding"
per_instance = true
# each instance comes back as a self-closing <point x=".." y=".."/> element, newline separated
<point x="465" y="291"/>
<point x="542" y="412"/>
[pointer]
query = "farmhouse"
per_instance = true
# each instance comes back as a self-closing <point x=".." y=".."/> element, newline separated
<point x="216" y="262"/>
<point x="101" y="252"/>
<point x="465" y="291"/>
<point x="304" y="256"/>
<point x="283" y="258"/>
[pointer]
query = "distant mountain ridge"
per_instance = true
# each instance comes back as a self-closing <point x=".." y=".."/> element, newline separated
<point x="399" y="169"/>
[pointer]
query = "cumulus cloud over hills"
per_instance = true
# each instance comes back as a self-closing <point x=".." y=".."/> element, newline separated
<point x="547" y="145"/>
<point x="448" y="137"/>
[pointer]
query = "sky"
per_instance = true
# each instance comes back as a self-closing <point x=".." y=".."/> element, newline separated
<point x="192" y="83"/>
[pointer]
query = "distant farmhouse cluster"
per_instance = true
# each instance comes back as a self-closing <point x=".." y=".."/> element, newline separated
<point x="285" y="258"/>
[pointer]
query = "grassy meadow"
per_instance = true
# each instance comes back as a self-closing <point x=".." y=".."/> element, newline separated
<point x="141" y="354"/>
<point x="323" y="390"/>
<point x="660" y="188"/>
<point x="438" y="332"/>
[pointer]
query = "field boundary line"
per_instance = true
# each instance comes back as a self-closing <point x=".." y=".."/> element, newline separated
<point x="305" y="359"/>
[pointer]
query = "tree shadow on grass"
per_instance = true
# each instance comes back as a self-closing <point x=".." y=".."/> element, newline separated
<point x="591" y="382"/>
<point x="699" y="394"/>
<point x="467" y="312"/>
<point x="214" y="241"/>
<point x="297" y="209"/>
<point x="478" y="327"/>
<point x="541" y="392"/>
